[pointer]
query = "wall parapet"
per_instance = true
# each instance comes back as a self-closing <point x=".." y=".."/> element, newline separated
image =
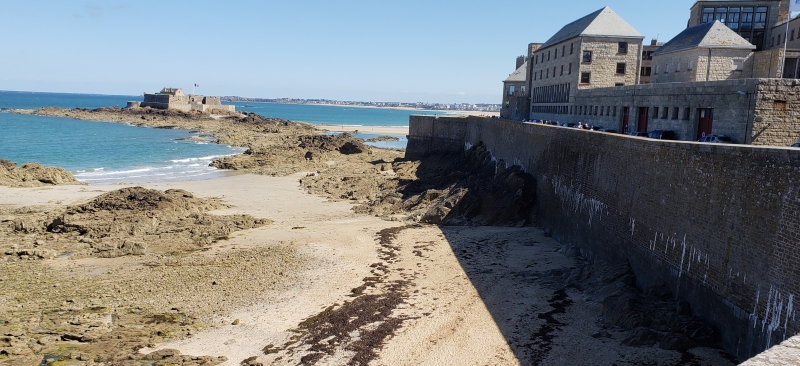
<point x="716" y="223"/>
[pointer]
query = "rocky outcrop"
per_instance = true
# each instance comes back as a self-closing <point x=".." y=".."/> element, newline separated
<point x="129" y="221"/>
<point x="33" y="175"/>
<point x="455" y="189"/>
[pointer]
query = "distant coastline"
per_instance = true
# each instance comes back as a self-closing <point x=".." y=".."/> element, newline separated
<point x="460" y="108"/>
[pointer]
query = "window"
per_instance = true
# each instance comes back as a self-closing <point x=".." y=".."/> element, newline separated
<point x="666" y="69"/>
<point x="647" y="55"/>
<point x="601" y="111"/>
<point x="548" y="55"/>
<point x="570" y="69"/>
<point x="664" y="113"/>
<point x="708" y="15"/>
<point x="791" y="37"/>
<point x="656" y="71"/>
<point x="779" y="39"/>
<point x="678" y="67"/>
<point x="619" y="84"/>
<point x="511" y="90"/>
<point x="620" y="68"/>
<point x="746" y="19"/>
<point x="540" y="74"/>
<point x="772" y="42"/>
<point x="563" y="50"/>
<point x="655" y="112"/>
<point x="646" y="71"/>
<point x="675" y="112"/>
<point x="608" y="110"/>
<point x="571" y="48"/>
<point x="733" y="18"/>
<point x="722" y="15"/>
<point x="554" y="71"/>
<point x="548" y="73"/>
<point x="686" y="113"/>
<point x="562" y="70"/>
<point x="691" y="65"/>
<point x="623" y="47"/>
<point x="535" y="75"/>
<point x="586" y="77"/>
<point x="615" y="112"/>
<point x="587" y="56"/>
<point x="761" y="18"/>
<point x="555" y="53"/>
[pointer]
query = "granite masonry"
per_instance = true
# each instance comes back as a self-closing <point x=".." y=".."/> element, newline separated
<point x="174" y="98"/>
<point x="718" y="224"/>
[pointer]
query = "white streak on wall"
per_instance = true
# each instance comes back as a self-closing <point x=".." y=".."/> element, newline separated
<point x="683" y="255"/>
<point x="633" y="226"/>
<point x="577" y="201"/>
<point x="754" y="315"/>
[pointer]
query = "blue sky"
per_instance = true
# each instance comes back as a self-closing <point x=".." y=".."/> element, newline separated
<point x="371" y="50"/>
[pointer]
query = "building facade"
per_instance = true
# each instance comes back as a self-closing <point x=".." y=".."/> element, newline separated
<point x="174" y="98"/>
<point x="753" y="20"/>
<point x="596" y="51"/>
<point x="705" y="52"/>
<point x="516" y="102"/>
<point x="646" y="68"/>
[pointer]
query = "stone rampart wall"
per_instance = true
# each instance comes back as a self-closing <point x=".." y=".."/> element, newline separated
<point x="718" y="224"/>
<point x="752" y="111"/>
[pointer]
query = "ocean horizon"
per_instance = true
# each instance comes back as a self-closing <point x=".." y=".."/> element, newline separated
<point x="109" y="152"/>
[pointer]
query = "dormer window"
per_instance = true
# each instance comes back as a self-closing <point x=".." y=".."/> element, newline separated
<point x="623" y="47"/>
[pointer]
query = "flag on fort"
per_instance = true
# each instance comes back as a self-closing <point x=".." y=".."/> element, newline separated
<point x="794" y="6"/>
<point x="198" y="85"/>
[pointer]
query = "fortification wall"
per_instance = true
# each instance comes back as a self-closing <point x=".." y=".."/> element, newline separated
<point x="718" y="224"/>
<point x="755" y="111"/>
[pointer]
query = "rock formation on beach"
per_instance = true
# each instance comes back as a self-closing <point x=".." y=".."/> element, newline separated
<point x="33" y="175"/>
<point x="129" y="221"/>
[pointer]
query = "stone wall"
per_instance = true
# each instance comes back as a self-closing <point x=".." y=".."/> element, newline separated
<point x="605" y="57"/>
<point x="751" y="111"/>
<point x="693" y="65"/>
<point x="718" y="224"/>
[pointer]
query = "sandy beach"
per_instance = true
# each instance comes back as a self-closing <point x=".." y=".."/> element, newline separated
<point x="462" y="302"/>
<point x="326" y="256"/>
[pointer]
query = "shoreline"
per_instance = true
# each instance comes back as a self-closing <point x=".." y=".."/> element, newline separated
<point x="222" y="122"/>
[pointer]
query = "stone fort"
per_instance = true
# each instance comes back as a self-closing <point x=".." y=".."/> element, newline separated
<point x="174" y="98"/>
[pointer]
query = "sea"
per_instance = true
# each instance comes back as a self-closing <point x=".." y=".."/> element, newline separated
<point x="108" y="153"/>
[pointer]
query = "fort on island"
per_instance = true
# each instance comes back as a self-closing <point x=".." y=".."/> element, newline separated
<point x="174" y="98"/>
<point x="726" y="74"/>
<point x="716" y="223"/>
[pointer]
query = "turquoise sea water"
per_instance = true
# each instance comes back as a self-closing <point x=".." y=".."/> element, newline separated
<point x="107" y="153"/>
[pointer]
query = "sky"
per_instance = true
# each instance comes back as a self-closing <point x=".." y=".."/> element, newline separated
<point x="372" y="50"/>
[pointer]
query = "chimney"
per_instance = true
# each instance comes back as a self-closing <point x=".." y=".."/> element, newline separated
<point x="654" y="42"/>
<point x="520" y="61"/>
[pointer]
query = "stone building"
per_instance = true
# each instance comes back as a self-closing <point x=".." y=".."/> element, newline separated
<point x="753" y="20"/>
<point x="646" y="68"/>
<point x="596" y="51"/>
<point x="516" y="103"/>
<point x="174" y="98"/>
<point x="710" y="79"/>
<point x="705" y="52"/>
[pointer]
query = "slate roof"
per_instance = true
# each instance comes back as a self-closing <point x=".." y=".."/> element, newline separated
<point x="518" y="75"/>
<point x="602" y="23"/>
<point x="708" y="35"/>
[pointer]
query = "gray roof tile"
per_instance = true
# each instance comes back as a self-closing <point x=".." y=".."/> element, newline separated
<point x="602" y="23"/>
<point x="520" y="74"/>
<point x="708" y="35"/>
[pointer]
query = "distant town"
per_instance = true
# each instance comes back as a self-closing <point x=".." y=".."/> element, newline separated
<point x="417" y="105"/>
